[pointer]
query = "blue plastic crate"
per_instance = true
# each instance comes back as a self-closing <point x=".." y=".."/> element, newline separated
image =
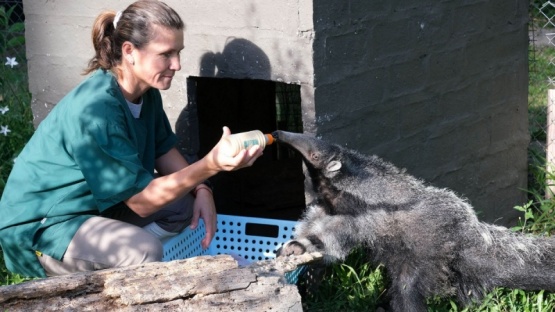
<point x="248" y="238"/>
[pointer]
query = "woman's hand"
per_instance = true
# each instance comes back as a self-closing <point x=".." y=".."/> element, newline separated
<point x="205" y="208"/>
<point x="220" y="161"/>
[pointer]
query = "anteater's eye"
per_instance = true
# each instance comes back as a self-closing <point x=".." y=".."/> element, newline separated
<point x="314" y="156"/>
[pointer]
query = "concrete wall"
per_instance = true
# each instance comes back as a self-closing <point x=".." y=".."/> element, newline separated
<point x="275" y="43"/>
<point x="438" y="87"/>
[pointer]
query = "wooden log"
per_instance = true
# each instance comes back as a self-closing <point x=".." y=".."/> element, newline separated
<point x="205" y="283"/>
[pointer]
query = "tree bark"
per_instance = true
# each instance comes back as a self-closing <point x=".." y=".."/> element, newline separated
<point x="205" y="283"/>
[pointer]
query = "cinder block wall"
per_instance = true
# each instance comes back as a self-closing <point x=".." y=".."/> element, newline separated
<point x="438" y="87"/>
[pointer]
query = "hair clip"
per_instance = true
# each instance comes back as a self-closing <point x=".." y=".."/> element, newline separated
<point x="116" y="19"/>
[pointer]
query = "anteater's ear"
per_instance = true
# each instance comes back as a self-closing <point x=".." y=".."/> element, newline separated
<point x="334" y="165"/>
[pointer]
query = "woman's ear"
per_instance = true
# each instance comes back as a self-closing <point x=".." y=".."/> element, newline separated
<point x="127" y="52"/>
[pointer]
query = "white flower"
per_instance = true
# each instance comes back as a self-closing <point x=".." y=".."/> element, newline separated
<point x="4" y="109"/>
<point x="11" y="61"/>
<point x="5" y="130"/>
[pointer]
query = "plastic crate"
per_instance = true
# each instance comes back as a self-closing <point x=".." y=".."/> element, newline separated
<point x="248" y="238"/>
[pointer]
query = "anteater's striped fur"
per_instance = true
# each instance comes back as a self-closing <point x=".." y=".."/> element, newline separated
<point x="429" y="239"/>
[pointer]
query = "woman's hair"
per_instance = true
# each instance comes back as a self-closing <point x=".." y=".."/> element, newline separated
<point x="134" y="25"/>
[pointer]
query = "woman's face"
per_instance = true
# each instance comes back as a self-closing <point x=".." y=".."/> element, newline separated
<point x="157" y="62"/>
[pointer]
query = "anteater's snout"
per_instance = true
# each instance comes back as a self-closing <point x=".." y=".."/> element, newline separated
<point x="287" y="137"/>
<point x="275" y="134"/>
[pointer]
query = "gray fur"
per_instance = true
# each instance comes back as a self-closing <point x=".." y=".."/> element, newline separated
<point x="429" y="239"/>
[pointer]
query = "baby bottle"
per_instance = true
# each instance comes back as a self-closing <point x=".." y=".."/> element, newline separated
<point x="240" y="141"/>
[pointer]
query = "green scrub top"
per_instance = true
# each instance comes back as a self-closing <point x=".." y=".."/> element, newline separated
<point x="88" y="155"/>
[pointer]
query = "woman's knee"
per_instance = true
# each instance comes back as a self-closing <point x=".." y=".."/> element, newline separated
<point x="146" y="248"/>
<point x="155" y="252"/>
<point x="111" y="243"/>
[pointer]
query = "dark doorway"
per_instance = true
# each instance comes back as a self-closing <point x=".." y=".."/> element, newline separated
<point x="274" y="186"/>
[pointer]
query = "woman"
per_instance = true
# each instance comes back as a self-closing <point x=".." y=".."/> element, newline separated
<point x="83" y="194"/>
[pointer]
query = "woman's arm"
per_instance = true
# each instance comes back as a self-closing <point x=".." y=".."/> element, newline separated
<point x="170" y="162"/>
<point x="167" y="188"/>
<point x="204" y="206"/>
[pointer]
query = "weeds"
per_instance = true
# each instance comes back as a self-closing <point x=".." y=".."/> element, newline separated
<point x="354" y="285"/>
<point x="15" y="110"/>
<point x="16" y="125"/>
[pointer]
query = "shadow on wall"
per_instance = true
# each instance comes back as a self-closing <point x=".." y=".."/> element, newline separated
<point x="234" y="89"/>
<point x="240" y="59"/>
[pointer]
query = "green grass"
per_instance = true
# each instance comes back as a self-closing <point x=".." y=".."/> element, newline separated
<point x="354" y="285"/>
<point x="8" y="278"/>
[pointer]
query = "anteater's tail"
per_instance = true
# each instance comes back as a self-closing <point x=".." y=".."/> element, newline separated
<point x="507" y="259"/>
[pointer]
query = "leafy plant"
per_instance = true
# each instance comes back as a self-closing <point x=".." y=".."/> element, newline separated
<point x="11" y="34"/>
<point x="8" y="278"/>
<point x="354" y="285"/>
<point x="16" y="116"/>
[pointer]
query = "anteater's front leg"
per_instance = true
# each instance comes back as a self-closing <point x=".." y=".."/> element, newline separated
<point x="333" y="236"/>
